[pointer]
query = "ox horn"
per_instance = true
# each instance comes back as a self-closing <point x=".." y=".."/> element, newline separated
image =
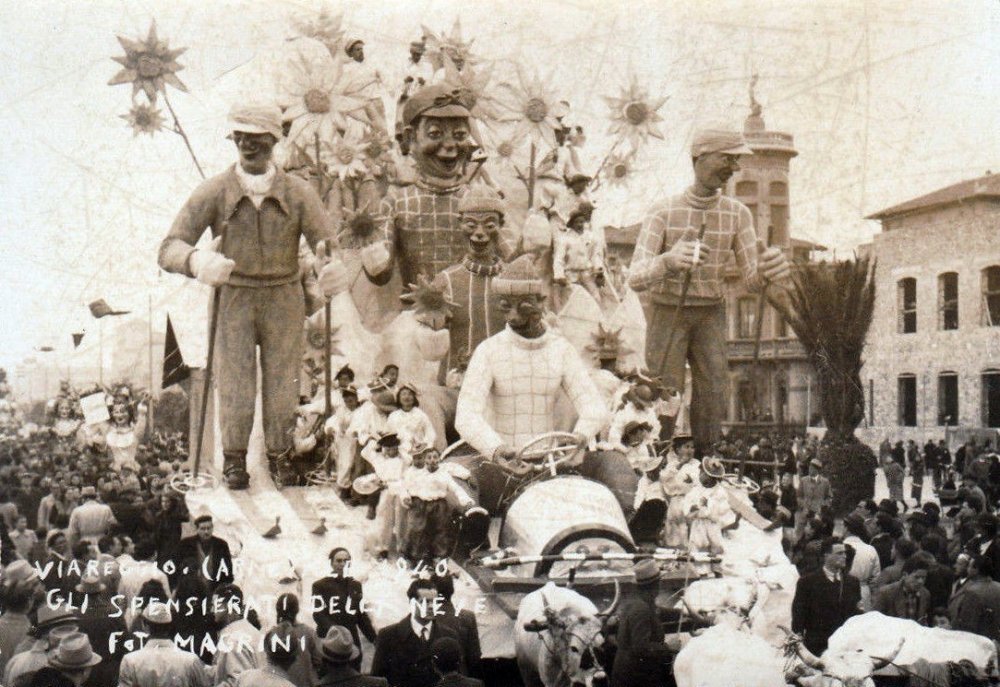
<point x="699" y="617"/>
<point x="614" y="602"/>
<point x="880" y="663"/>
<point x="808" y="657"/>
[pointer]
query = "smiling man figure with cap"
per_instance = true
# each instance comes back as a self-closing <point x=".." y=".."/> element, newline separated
<point x="257" y="215"/>
<point x="667" y="248"/>
<point x="420" y="226"/>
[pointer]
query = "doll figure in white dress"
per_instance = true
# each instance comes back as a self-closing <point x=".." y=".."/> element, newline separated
<point x="707" y="509"/>
<point x="125" y="432"/>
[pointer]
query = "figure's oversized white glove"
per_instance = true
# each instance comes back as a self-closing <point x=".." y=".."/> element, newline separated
<point x="375" y="258"/>
<point x="211" y="267"/>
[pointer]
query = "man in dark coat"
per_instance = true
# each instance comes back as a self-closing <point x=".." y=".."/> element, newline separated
<point x="206" y="553"/>
<point x="337" y="600"/>
<point x="908" y="598"/>
<point x="642" y="658"/>
<point x="465" y="622"/>
<point x="99" y="621"/>
<point x="825" y="599"/>
<point x="975" y="605"/>
<point x="403" y="652"/>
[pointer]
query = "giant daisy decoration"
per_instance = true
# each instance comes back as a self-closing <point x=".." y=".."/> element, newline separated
<point x="634" y="114"/>
<point x="531" y="107"/>
<point x="474" y="85"/>
<point x="149" y="65"/>
<point x="344" y="157"/>
<point x="323" y="27"/>
<point x="317" y="98"/>
<point x="619" y="169"/>
<point x="448" y="45"/>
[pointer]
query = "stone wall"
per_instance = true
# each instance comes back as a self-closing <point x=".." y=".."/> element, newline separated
<point x="963" y="239"/>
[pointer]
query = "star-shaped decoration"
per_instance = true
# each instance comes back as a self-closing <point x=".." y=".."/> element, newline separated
<point x="149" y="65"/>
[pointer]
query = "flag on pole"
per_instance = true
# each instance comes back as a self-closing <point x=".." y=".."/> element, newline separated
<point x="100" y="308"/>
<point x="174" y="368"/>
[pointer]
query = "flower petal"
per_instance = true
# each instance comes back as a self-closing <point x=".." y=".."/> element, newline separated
<point x="175" y="82"/>
<point x="124" y="76"/>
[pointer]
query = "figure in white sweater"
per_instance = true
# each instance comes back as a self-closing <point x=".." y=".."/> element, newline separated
<point x="409" y="422"/>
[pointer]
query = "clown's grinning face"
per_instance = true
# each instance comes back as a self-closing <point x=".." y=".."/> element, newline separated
<point x="481" y="230"/>
<point x="255" y="151"/>
<point x="442" y="145"/>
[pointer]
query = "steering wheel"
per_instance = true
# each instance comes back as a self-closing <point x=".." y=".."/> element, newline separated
<point x="744" y="483"/>
<point x="548" y="451"/>
<point x="183" y="482"/>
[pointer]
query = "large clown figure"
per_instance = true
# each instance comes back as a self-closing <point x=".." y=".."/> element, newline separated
<point x="419" y="223"/>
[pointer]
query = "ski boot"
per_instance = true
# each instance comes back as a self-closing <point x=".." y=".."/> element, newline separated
<point x="234" y="469"/>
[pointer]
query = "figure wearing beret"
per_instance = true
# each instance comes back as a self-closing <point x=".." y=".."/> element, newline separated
<point x="419" y="223"/>
<point x="667" y="248"/>
<point x="257" y="215"/>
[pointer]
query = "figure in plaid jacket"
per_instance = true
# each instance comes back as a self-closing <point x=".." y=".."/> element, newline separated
<point x="667" y="248"/>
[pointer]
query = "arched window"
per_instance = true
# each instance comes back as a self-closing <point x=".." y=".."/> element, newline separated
<point x="948" y="301"/>
<point x="991" y="296"/>
<point x="948" y="398"/>
<point x="906" y="296"/>
<point x="907" y="400"/>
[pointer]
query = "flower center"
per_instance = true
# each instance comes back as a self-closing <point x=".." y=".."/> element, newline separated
<point x="636" y="113"/>
<point x="505" y="149"/>
<point x="536" y="110"/>
<point x="149" y="67"/>
<point x="620" y="170"/>
<point x="317" y="101"/>
<point x="345" y="155"/>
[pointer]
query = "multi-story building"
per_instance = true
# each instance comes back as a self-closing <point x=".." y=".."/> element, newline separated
<point x="777" y="390"/>
<point x="932" y="358"/>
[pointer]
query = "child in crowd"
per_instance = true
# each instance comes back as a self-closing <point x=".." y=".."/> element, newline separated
<point x="707" y="509"/>
<point x="385" y="459"/>
<point x="428" y="534"/>
<point x="344" y="441"/>
<point x="409" y="422"/>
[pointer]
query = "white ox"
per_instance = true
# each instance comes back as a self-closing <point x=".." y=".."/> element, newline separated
<point x="557" y="635"/>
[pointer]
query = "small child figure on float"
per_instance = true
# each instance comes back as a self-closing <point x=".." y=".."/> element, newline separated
<point x="650" y="504"/>
<point x="385" y="459"/>
<point x="637" y="407"/>
<point x="578" y="254"/>
<point x="409" y="422"/>
<point x="679" y="477"/>
<point x="706" y="506"/>
<point x="427" y="530"/>
<point x="342" y="441"/>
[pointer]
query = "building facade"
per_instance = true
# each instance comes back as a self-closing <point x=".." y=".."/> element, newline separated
<point x="932" y="357"/>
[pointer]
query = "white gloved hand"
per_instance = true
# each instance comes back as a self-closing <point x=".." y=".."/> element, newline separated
<point x="333" y="276"/>
<point x="211" y="267"/>
<point x="375" y="258"/>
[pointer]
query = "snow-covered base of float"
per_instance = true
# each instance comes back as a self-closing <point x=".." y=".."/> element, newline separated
<point x="294" y="559"/>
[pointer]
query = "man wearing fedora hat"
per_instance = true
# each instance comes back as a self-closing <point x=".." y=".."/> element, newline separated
<point x="667" y="249"/>
<point x="336" y="652"/>
<point x="257" y="215"/>
<point x="74" y="658"/>
<point x="161" y="662"/>
<point x="53" y="622"/>
<point x="642" y="660"/>
<point x="99" y="620"/>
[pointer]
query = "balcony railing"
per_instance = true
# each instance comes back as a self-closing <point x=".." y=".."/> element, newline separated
<point x="770" y="349"/>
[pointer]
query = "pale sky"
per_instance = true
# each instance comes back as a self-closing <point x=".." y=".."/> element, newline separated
<point x="879" y="114"/>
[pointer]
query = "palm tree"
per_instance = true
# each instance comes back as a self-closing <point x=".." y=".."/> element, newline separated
<point x="829" y="307"/>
